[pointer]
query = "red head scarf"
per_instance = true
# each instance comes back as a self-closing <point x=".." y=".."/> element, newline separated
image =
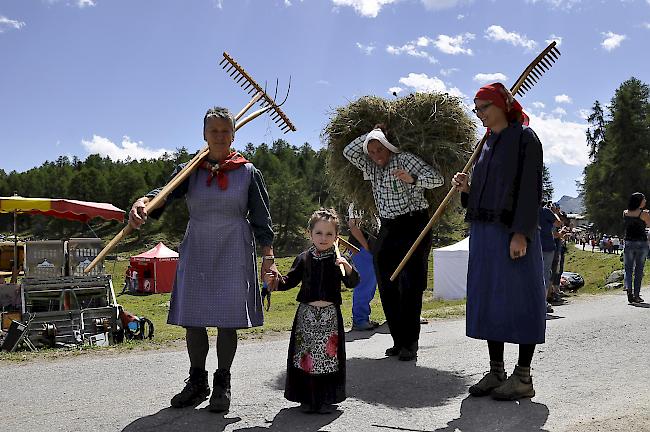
<point x="499" y="96"/>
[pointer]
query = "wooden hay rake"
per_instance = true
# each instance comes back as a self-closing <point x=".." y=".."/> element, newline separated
<point x="267" y="104"/>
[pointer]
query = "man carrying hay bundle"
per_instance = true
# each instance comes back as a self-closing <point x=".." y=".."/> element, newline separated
<point x="398" y="182"/>
<point x="395" y="173"/>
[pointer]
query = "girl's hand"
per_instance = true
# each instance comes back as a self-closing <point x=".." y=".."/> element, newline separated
<point x="404" y="175"/>
<point x="345" y="263"/>
<point x="518" y="245"/>
<point x="461" y="182"/>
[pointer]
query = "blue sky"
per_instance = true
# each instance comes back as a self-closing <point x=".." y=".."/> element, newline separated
<point x="134" y="77"/>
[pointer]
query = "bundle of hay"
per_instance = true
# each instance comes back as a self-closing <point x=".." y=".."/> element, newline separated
<point x="433" y="126"/>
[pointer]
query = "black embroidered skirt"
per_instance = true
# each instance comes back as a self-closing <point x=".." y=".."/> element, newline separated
<point x="316" y="358"/>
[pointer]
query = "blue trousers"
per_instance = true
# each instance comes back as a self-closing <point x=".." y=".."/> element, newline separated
<point x="365" y="291"/>
<point x="634" y="256"/>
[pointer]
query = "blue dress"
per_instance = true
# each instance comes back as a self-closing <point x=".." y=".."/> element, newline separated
<point x="506" y="298"/>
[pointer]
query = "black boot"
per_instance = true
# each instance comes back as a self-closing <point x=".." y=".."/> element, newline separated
<point x="220" y="399"/>
<point x="196" y="389"/>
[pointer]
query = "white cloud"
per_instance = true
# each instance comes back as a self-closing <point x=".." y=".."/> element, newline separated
<point x="128" y="148"/>
<point x="555" y="38"/>
<point x="490" y="77"/>
<point x="585" y="113"/>
<point x="563" y="99"/>
<point x="323" y="82"/>
<point x="366" y="49"/>
<point x="461" y="16"/>
<point x="287" y="2"/>
<point x="423" y="83"/>
<point x="498" y="33"/>
<point x="612" y="40"/>
<point x="647" y="25"/>
<point x="447" y="72"/>
<point x="538" y="105"/>
<point x="562" y="141"/>
<point x="559" y="111"/>
<point x="86" y="3"/>
<point x="413" y="48"/>
<point x="454" y="44"/>
<point x="557" y="4"/>
<point x="9" y="24"/>
<point x="366" y="8"/>
<point x="441" y="4"/>
<point x="395" y="90"/>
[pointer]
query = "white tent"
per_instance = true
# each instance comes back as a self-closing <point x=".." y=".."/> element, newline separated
<point x="450" y="271"/>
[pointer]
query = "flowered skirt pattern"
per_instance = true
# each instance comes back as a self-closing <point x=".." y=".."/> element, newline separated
<point x="316" y="358"/>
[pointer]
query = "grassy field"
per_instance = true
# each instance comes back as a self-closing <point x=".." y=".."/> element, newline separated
<point x="594" y="267"/>
<point x="278" y="319"/>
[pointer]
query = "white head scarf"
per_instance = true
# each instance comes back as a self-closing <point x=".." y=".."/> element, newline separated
<point x="377" y="134"/>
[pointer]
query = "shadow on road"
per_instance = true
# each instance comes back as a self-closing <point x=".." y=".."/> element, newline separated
<point x="292" y="419"/>
<point x="485" y="414"/>
<point x="640" y="305"/>
<point x="552" y="317"/>
<point x="397" y="384"/>
<point x="186" y="419"/>
<point x="354" y="335"/>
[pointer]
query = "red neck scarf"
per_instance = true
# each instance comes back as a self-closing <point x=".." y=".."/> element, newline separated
<point x="233" y="161"/>
<point x="499" y="96"/>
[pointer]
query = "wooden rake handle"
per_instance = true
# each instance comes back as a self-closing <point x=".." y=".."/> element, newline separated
<point x="543" y="62"/>
<point x="338" y="255"/>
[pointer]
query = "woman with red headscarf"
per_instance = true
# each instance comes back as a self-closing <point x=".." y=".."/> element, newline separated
<point x="506" y="299"/>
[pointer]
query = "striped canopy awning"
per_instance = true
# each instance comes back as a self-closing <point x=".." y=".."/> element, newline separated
<point x="61" y="208"/>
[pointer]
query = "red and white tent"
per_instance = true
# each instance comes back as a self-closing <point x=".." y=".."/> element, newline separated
<point x="154" y="270"/>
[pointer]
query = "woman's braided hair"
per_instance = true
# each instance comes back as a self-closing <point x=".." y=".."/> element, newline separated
<point x="323" y="214"/>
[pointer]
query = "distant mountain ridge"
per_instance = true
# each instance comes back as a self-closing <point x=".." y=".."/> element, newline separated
<point x="570" y="204"/>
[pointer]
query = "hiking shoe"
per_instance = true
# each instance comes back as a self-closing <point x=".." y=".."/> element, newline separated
<point x="549" y="308"/>
<point x="490" y="380"/>
<point x="638" y="299"/>
<point x="392" y="351"/>
<point x="630" y="297"/>
<point x="220" y="399"/>
<point x="196" y="389"/>
<point x="518" y="385"/>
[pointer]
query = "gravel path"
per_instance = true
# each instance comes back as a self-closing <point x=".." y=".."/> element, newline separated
<point x="591" y="375"/>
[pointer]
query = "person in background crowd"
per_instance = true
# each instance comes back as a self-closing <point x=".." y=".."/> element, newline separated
<point x="636" y="245"/>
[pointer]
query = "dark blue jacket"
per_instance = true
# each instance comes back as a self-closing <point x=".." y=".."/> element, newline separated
<point x="506" y="182"/>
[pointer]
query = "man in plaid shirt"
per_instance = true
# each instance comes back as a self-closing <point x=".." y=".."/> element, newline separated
<point x="398" y="182"/>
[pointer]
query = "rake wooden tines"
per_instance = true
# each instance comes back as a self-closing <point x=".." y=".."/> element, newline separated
<point x="267" y="104"/>
<point x="542" y="63"/>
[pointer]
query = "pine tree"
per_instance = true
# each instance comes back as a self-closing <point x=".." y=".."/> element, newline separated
<point x="621" y="162"/>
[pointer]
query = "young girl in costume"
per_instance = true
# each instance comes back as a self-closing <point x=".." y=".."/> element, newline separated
<point x="316" y="359"/>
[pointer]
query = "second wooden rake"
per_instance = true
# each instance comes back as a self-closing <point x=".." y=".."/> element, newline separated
<point x="542" y="63"/>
